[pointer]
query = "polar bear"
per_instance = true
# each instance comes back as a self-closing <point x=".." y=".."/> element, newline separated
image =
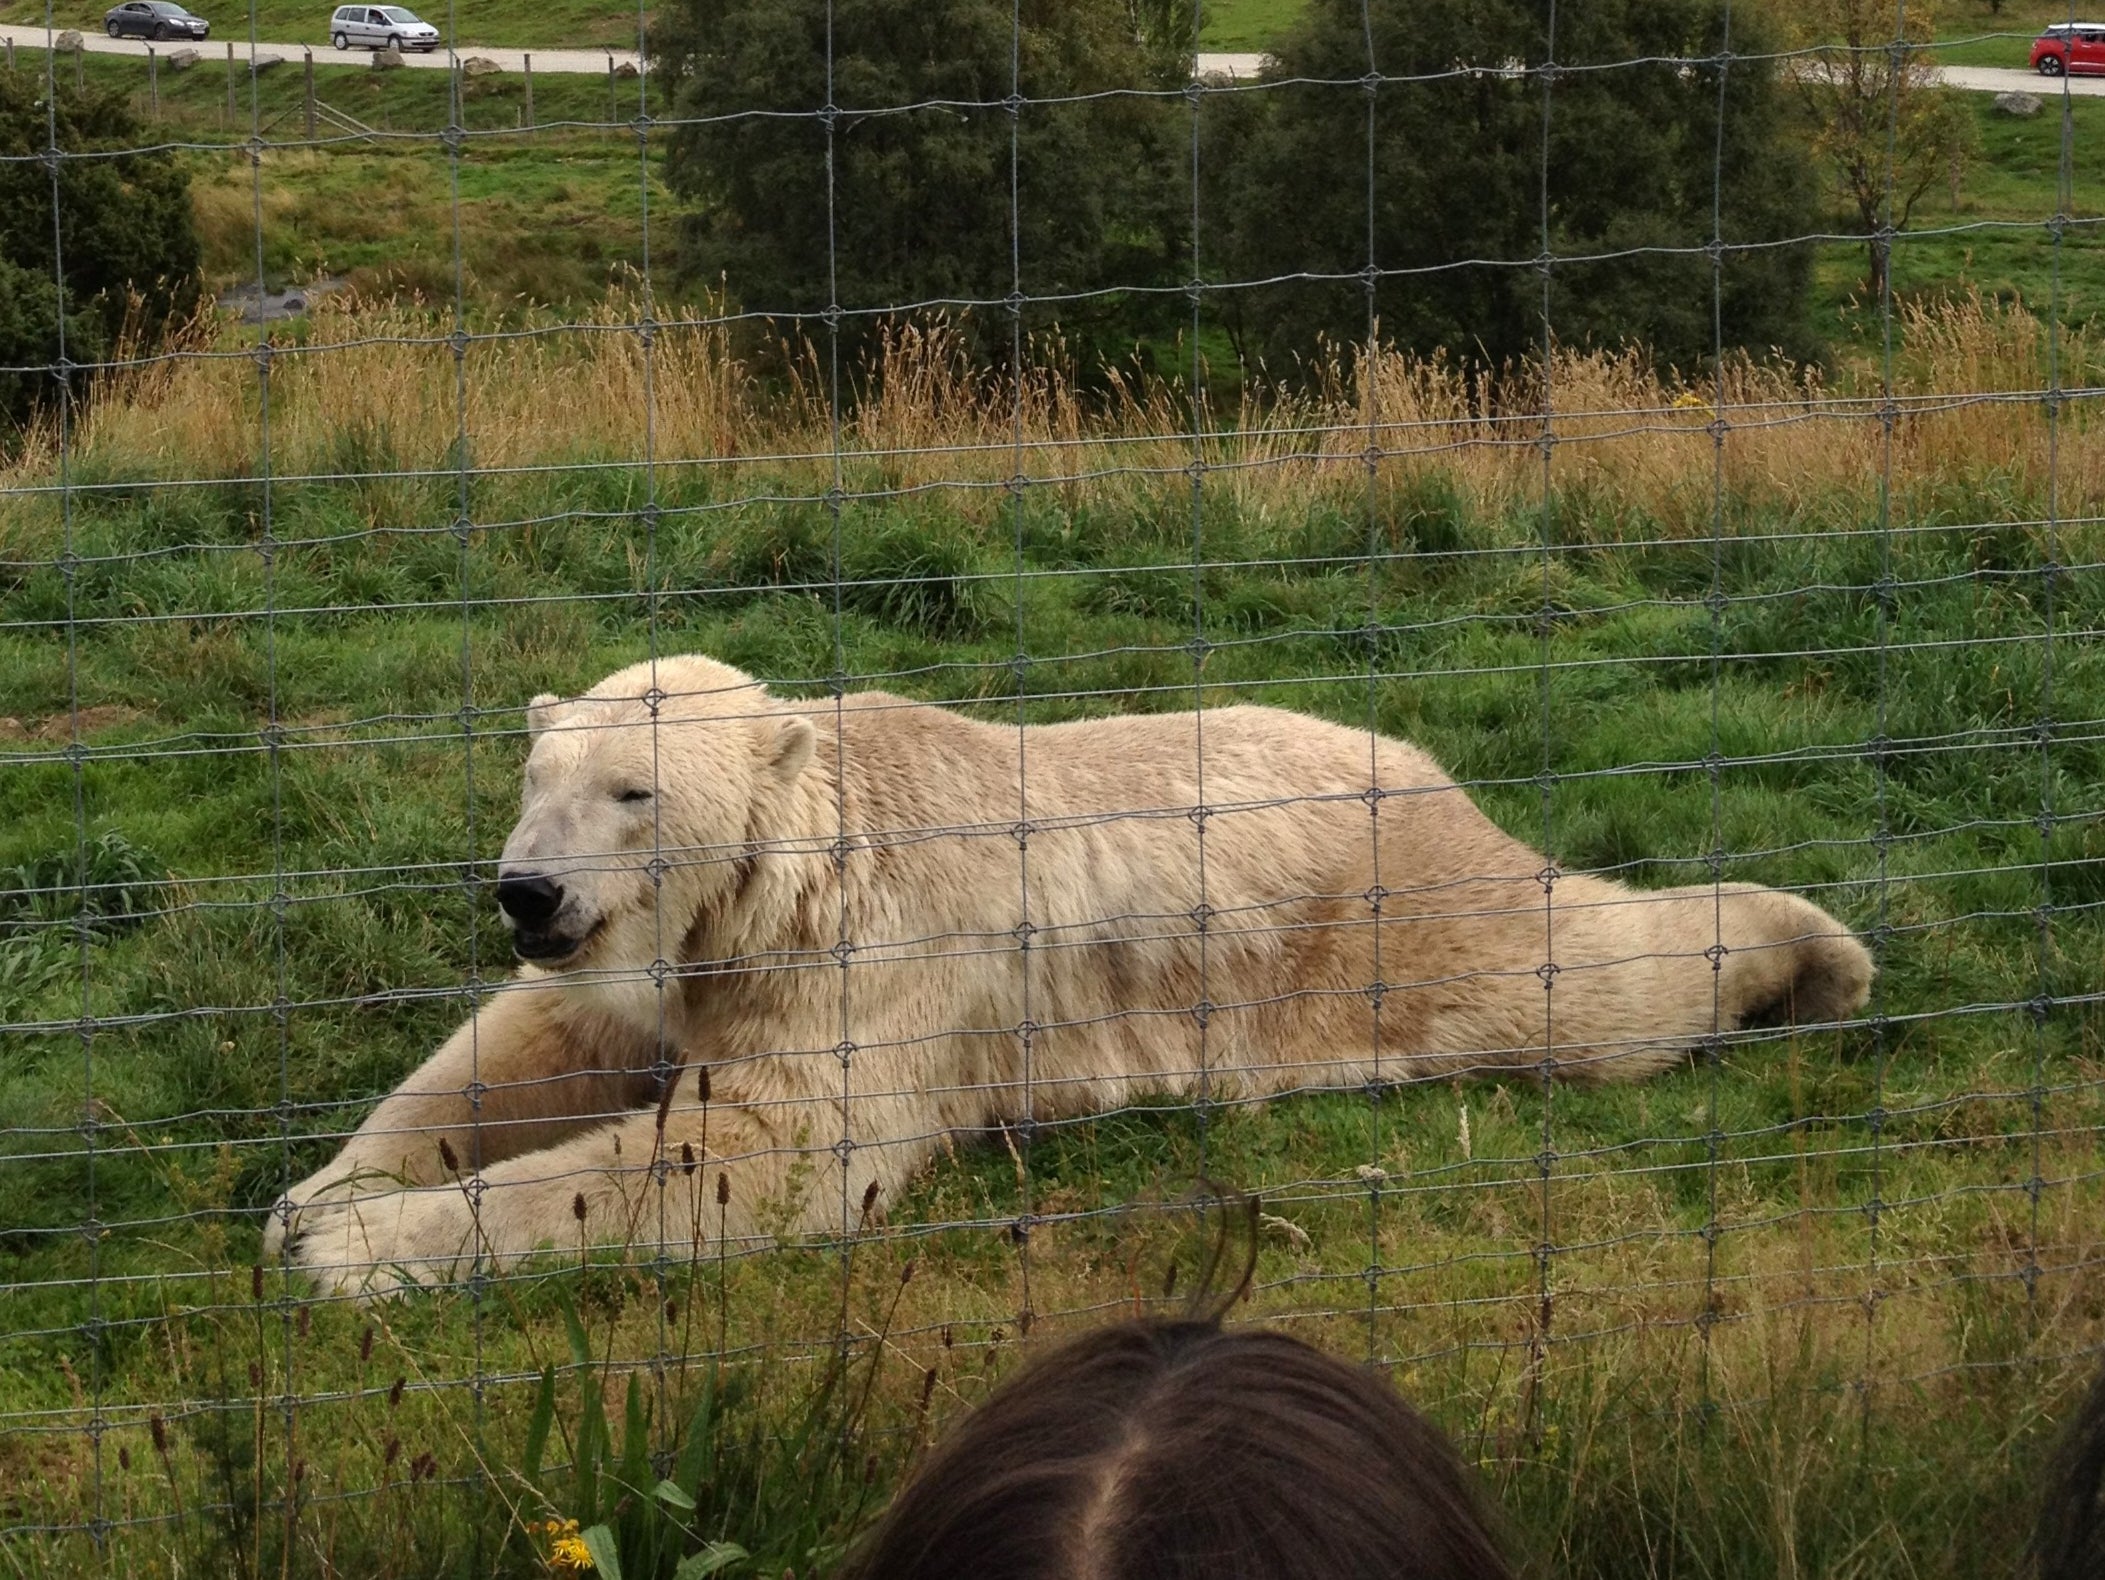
<point x="776" y="951"/>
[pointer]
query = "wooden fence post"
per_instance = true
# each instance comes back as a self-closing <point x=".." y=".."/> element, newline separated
<point x="527" y="61"/>
<point x="10" y="54"/>
<point x="153" y="81"/>
<point x="613" y="93"/>
<point x="310" y="95"/>
<point x="231" y="111"/>
<point x="80" y="69"/>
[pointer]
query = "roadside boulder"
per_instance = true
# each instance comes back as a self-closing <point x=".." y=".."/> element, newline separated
<point x="387" y="59"/>
<point x="627" y="69"/>
<point x="68" y="41"/>
<point x="265" y="62"/>
<point x="2022" y="105"/>
<point x="479" y="66"/>
<point x="182" y="59"/>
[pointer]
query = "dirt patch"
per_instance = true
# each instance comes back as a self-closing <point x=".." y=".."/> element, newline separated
<point x="58" y="729"/>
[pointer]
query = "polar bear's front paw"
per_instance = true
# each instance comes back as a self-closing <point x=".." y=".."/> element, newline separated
<point x="379" y="1243"/>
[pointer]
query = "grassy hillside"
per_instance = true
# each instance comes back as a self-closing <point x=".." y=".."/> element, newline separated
<point x="1810" y="1309"/>
<point x="1970" y="32"/>
<point x="1807" y="1309"/>
<point x="556" y="215"/>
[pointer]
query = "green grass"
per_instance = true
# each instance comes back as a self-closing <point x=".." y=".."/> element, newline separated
<point x="533" y="224"/>
<point x="550" y="215"/>
<point x="1631" y="1438"/>
<point x="1997" y="238"/>
<point x="1840" y="1392"/>
<point x="194" y="103"/>
<point x="1246" y="25"/>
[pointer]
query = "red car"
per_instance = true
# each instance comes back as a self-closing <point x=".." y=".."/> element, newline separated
<point x="2075" y="47"/>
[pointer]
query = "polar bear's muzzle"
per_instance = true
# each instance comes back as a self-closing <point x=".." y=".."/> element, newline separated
<point x="534" y="907"/>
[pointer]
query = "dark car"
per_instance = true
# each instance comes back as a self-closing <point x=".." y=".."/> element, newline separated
<point x="2074" y="49"/>
<point x="153" y="19"/>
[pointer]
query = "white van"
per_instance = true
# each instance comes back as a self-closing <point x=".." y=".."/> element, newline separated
<point x="381" y="27"/>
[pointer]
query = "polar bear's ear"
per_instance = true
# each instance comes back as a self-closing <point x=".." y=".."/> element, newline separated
<point x="541" y="713"/>
<point x="793" y="744"/>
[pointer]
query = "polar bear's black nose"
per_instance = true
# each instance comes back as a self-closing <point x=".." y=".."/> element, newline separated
<point x="528" y="898"/>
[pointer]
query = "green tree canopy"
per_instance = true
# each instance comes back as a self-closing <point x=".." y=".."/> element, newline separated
<point x="1880" y="120"/>
<point x="921" y="210"/>
<point x="1643" y="136"/>
<point x="121" y="231"/>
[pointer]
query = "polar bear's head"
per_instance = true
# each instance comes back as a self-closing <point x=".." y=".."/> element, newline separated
<point x="642" y="798"/>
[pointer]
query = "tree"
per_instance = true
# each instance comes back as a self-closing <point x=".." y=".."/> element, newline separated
<point x="120" y="249"/>
<point x="919" y="211"/>
<point x="30" y="347"/>
<point x="1643" y="140"/>
<point x="1880" y="121"/>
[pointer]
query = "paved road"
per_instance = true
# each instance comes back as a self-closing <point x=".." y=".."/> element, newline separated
<point x="1976" y="79"/>
<point x="1996" y="79"/>
<point x="1981" y="79"/>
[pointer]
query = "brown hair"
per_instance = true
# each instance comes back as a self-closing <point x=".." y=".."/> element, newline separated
<point x="2069" y="1542"/>
<point x="1155" y="1450"/>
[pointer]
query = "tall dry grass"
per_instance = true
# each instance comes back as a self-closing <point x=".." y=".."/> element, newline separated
<point x="1972" y="394"/>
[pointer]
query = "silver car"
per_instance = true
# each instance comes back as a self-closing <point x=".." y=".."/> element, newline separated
<point x="381" y="27"/>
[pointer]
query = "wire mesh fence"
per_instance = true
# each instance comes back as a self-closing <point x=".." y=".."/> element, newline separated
<point x="1678" y="1066"/>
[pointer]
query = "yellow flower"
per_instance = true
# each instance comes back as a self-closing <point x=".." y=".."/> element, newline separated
<point x="567" y="1553"/>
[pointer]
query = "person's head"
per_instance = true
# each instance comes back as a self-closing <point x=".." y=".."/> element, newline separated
<point x="1157" y="1450"/>
<point x="2070" y="1541"/>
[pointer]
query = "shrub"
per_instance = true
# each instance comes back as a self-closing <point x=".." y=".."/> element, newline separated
<point x="122" y="244"/>
<point x="31" y="348"/>
<point x="919" y="209"/>
<point x="1636" y="153"/>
